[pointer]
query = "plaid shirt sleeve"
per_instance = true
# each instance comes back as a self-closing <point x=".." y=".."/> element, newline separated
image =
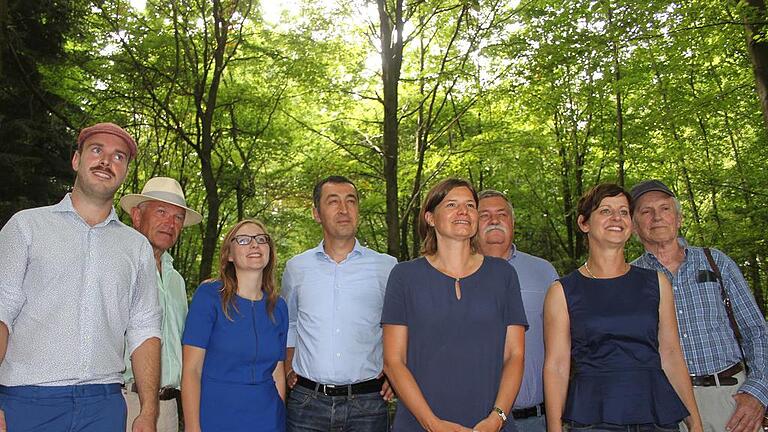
<point x="751" y="324"/>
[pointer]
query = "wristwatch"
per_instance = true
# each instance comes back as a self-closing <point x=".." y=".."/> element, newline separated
<point x="501" y="414"/>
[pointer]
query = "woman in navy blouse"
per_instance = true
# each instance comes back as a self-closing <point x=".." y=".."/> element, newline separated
<point x="234" y="341"/>
<point x="453" y="324"/>
<point x="613" y="357"/>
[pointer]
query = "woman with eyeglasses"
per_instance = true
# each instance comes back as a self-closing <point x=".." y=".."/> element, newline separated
<point x="234" y="340"/>
<point x="613" y="358"/>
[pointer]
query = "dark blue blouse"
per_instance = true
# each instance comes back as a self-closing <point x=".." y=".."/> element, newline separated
<point x="617" y="375"/>
<point x="455" y="347"/>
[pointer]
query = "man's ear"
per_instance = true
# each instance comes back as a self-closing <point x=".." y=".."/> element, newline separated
<point x="136" y="217"/>
<point x="316" y="215"/>
<point x="75" y="161"/>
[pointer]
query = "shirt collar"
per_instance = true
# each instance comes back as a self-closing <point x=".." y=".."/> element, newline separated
<point x="357" y="250"/>
<point x="680" y="240"/>
<point x="65" y="206"/>
<point x="512" y="252"/>
<point x="166" y="259"/>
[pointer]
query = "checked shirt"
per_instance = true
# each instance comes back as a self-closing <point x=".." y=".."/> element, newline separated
<point x="705" y="332"/>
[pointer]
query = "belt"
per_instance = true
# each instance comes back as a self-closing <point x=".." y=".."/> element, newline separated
<point x="165" y="393"/>
<point x="724" y="378"/>
<point x="534" y="411"/>
<point x="370" y="386"/>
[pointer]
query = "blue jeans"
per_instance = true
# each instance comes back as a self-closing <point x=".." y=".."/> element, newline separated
<point x="80" y="408"/>
<point x="312" y="411"/>
<point x="531" y="424"/>
<point x="607" y="427"/>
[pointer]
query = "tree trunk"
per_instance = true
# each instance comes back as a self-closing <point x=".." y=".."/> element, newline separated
<point x="617" y="93"/>
<point x="757" y="46"/>
<point x="391" y="61"/>
<point x="205" y="112"/>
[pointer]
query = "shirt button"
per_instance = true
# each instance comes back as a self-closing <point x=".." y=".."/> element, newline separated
<point x="681" y="311"/>
<point x="685" y="334"/>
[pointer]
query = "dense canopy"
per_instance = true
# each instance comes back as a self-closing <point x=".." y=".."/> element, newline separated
<point x="249" y="103"/>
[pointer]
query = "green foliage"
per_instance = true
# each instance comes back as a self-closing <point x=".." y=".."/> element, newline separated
<point x="521" y="98"/>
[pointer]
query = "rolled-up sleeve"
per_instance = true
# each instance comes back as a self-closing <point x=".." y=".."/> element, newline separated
<point x="14" y="254"/>
<point x="146" y="315"/>
<point x="288" y="292"/>
<point x="753" y="329"/>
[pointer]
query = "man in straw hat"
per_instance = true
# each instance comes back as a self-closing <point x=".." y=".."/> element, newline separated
<point x="160" y="212"/>
<point x="77" y="284"/>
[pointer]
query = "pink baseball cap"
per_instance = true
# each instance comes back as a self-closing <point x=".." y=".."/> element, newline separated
<point x="108" y="128"/>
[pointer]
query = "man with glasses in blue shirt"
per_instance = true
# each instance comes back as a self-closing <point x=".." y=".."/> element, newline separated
<point x="77" y="287"/>
<point x="335" y="293"/>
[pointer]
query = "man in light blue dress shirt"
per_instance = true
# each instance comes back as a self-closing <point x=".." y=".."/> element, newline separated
<point x="78" y="286"/>
<point x="496" y="238"/>
<point x="335" y="293"/>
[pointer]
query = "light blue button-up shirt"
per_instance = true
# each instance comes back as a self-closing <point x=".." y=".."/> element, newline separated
<point x="73" y="296"/>
<point x="334" y="313"/>
<point x="536" y="275"/>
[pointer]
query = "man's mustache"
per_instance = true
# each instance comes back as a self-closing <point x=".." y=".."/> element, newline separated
<point x="499" y="227"/>
<point x="104" y="170"/>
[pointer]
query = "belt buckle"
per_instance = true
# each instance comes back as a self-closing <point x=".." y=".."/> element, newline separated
<point x="326" y="387"/>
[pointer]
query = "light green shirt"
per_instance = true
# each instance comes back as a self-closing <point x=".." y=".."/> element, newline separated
<point x="172" y="296"/>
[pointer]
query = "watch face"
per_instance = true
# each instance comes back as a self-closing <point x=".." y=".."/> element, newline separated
<point x="501" y="414"/>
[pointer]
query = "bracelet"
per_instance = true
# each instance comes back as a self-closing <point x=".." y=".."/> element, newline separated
<point x="501" y="414"/>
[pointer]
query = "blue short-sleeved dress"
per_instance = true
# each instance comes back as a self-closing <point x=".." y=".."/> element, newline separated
<point x="455" y="347"/>
<point x="237" y="391"/>
<point x="617" y="374"/>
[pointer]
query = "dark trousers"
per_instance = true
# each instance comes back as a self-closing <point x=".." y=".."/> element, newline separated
<point x="607" y="427"/>
<point x="311" y="411"/>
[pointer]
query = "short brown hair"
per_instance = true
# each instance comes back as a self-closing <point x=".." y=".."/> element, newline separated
<point x="590" y="201"/>
<point x="435" y="196"/>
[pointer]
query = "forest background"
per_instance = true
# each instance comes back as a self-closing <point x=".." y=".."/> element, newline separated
<point x="249" y="103"/>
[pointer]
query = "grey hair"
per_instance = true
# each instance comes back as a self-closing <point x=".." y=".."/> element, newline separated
<point x="490" y="193"/>
<point x="678" y="207"/>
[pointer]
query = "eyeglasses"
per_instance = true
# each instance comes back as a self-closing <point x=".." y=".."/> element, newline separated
<point x="245" y="240"/>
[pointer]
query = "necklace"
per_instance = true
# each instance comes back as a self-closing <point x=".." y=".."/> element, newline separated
<point x="586" y="267"/>
<point x="592" y="275"/>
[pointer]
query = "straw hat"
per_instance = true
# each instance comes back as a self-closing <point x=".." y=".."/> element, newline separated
<point x="163" y="189"/>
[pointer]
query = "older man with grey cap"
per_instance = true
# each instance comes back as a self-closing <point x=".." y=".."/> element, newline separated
<point x="77" y="284"/>
<point x="726" y="351"/>
<point x="160" y="212"/>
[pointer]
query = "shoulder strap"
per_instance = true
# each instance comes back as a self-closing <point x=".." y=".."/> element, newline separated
<point x="726" y="302"/>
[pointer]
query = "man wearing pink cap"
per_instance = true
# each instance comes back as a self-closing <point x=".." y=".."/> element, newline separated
<point x="78" y="288"/>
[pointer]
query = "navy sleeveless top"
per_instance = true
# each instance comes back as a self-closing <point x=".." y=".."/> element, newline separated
<point x="617" y="376"/>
